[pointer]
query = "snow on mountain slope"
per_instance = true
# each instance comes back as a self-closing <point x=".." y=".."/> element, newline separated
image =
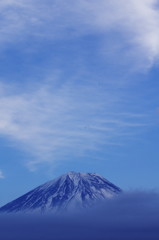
<point x="70" y="191"/>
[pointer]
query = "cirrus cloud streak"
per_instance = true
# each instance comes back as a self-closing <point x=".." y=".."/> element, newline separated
<point x="136" y="21"/>
<point x="52" y="123"/>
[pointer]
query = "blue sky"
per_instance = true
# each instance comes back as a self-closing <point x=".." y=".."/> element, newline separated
<point x="78" y="91"/>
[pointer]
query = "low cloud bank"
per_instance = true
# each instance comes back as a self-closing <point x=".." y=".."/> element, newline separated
<point x="131" y="216"/>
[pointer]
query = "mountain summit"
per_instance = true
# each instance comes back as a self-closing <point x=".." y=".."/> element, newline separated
<point x="70" y="191"/>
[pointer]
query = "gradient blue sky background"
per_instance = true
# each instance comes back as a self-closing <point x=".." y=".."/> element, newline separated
<point x="78" y="92"/>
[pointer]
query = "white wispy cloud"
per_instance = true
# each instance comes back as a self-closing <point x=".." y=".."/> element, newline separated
<point x="1" y="175"/>
<point x="54" y="123"/>
<point x="136" y="21"/>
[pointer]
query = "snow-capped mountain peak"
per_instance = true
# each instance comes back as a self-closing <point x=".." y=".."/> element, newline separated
<point x="70" y="191"/>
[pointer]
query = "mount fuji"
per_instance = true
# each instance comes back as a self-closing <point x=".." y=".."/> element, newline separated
<point x="70" y="191"/>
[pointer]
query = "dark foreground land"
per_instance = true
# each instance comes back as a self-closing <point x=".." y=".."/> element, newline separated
<point x="130" y="217"/>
